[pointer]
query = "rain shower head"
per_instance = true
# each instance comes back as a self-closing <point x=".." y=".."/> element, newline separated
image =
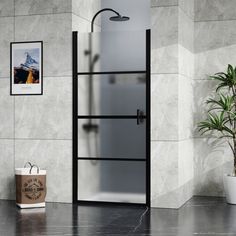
<point x="119" y="18"/>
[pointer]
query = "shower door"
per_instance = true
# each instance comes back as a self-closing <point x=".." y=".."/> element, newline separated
<point x="111" y="117"/>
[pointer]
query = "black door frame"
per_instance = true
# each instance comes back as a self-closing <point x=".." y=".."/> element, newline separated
<point x="75" y="120"/>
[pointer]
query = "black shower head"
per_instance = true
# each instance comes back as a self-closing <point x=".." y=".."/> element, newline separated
<point x="119" y="18"/>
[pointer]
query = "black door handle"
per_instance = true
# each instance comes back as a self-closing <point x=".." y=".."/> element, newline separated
<point x="140" y="117"/>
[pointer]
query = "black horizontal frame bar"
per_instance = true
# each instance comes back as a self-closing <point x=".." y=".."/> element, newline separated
<point x="110" y="159"/>
<point x="105" y="203"/>
<point x="109" y="117"/>
<point x="112" y="72"/>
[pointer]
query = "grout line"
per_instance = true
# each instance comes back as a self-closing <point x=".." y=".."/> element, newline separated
<point x="44" y="14"/>
<point x="173" y="140"/>
<point x="201" y="21"/>
<point x="41" y="139"/>
<point x="164" y="73"/>
<point x="174" y="5"/>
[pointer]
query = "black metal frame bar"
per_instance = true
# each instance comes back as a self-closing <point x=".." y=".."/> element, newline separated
<point x="110" y="117"/>
<point x="111" y="159"/>
<point x="113" y="72"/>
<point x="76" y="117"/>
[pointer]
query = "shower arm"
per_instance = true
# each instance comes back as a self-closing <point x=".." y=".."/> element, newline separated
<point x="104" y="9"/>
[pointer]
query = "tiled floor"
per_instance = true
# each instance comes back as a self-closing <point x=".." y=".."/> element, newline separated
<point x="200" y="216"/>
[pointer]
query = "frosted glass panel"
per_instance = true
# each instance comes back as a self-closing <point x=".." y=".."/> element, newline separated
<point x="112" y="181"/>
<point x="114" y="138"/>
<point x="112" y="51"/>
<point x="114" y="94"/>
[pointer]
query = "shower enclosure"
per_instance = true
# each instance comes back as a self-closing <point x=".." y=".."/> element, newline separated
<point x="111" y="117"/>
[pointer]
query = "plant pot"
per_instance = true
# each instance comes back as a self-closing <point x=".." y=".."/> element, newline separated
<point x="230" y="188"/>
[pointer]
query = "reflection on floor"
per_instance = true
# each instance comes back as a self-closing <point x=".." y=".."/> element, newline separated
<point x="119" y="197"/>
<point x="200" y="216"/>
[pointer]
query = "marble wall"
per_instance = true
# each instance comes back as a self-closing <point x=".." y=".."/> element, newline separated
<point x="215" y="47"/>
<point x="171" y="108"/>
<point x="39" y="128"/>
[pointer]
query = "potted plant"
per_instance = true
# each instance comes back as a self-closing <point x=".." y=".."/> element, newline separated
<point x="221" y="120"/>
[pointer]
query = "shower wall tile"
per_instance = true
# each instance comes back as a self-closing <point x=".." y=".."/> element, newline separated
<point x="185" y="31"/>
<point x="212" y="159"/>
<point x="164" y="107"/>
<point x="6" y="36"/>
<point x="50" y="28"/>
<point x="164" y="168"/>
<point x="186" y="62"/>
<point x="163" y="3"/>
<point x="212" y="35"/>
<point x="55" y="32"/>
<point x="164" y="41"/>
<point x="185" y="108"/>
<point x="186" y="161"/>
<point x="164" y="59"/>
<point x="82" y="25"/>
<point x="203" y="90"/>
<point x="7" y="186"/>
<point x="164" y="23"/>
<point x="57" y="58"/>
<point x="48" y="116"/>
<point x="55" y="157"/>
<point x="7" y="8"/>
<point x="188" y="7"/>
<point x="212" y="61"/>
<point x="86" y="9"/>
<point x="31" y="7"/>
<point x="206" y="10"/>
<point x="6" y="110"/>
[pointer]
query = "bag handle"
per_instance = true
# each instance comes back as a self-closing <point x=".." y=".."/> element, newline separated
<point x="28" y="163"/>
<point x="33" y="167"/>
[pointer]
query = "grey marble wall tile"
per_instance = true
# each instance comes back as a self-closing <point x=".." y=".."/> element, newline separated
<point x="185" y="107"/>
<point x="186" y="161"/>
<point x="86" y="9"/>
<point x="82" y="25"/>
<point x="203" y="90"/>
<point x="48" y="116"/>
<point x="55" y="157"/>
<point x="6" y="36"/>
<point x="55" y="32"/>
<point x="214" y="10"/>
<point x="52" y="28"/>
<point x="186" y="62"/>
<point x="57" y="58"/>
<point x="164" y="41"/>
<point x="186" y="31"/>
<point x="165" y="59"/>
<point x="161" y="3"/>
<point x="164" y="25"/>
<point x="164" y="107"/>
<point x="6" y="8"/>
<point x="7" y="177"/>
<point x="6" y="110"/>
<point x="185" y="193"/>
<point x="174" y="199"/>
<point x="188" y="7"/>
<point x="211" y="160"/>
<point x="210" y="62"/>
<point x="164" y="168"/>
<point x="30" y="7"/>
<point x="214" y="35"/>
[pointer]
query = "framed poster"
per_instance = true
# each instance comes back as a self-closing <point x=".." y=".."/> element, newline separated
<point x="26" y="68"/>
